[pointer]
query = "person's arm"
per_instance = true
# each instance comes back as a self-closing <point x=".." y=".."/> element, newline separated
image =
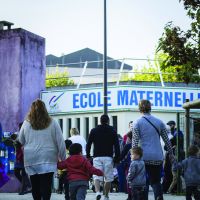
<point x="60" y="142"/>
<point x="135" y="135"/>
<point x="178" y="165"/>
<point x="62" y="164"/>
<point x="125" y="151"/>
<point x="164" y="135"/>
<point x="131" y="172"/>
<point x="21" y="137"/>
<point x="89" y="143"/>
<point x="117" y="149"/>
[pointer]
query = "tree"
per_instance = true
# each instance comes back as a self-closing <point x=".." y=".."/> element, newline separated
<point x="58" y="79"/>
<point x="151" y="73"/>
<point x="183" y="48"/>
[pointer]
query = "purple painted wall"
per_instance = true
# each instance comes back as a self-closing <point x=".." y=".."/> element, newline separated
<point x="22" y="74"/>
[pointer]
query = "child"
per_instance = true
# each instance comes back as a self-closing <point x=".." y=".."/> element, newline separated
<point x="19" y="169"/>
<point x="191" y="168"/>
<point x="136" y="174"/>
<point x="63" y="175"/>
<point x="79" y="171"/>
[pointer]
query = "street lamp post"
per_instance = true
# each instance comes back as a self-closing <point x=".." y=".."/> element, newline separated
<point x="105" y="62"/>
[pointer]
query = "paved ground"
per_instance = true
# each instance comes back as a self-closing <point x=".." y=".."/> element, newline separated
<point x="90" y="196"/>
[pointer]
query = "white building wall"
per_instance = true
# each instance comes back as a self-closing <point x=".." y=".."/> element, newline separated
<point x="123" y="119"/>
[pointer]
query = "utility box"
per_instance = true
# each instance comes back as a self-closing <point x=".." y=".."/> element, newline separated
<point x="22" y="73"/>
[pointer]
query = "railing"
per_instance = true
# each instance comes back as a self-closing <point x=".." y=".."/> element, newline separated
<point x="85" y="75"/>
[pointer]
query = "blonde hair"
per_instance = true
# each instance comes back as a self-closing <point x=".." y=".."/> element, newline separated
<point x="74" y="131"/>
<point x="136" y="150"/>
<point x="38" y="115"/>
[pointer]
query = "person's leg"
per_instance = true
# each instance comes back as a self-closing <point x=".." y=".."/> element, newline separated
<point x="60" y="187"/>
<point x="24" y="181"/>
<point x="45" y="185"/>
<point x="154" y="176"/>
<point x="35" y="182"/>
<point x="188" y="193"/>
<point x="17" y="172"/>
<point x="121" y="177"/>
<point x="66" y="187"/>
<point x="134" y="194"/>
<point x="81" y="192"/>
<point x="196" y="193"/>
<point x="107" y="187"/>
<point x="174" y="182"/>
<point x="97" y="163"/>
<point x="108" y="173"/>
<point x="72" y="192"/>
<point x="97" y="189"/>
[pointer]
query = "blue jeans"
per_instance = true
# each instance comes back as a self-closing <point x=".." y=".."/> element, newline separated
<point x="154" y="178"/>
<point x="78" y="190"/>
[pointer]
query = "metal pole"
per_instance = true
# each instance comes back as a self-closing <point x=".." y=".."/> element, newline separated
<point x="178" y="146"/>
<point x="187" y="129"/>
<point x="105" y="62"/>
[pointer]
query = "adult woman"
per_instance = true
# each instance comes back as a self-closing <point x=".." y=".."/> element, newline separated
<point x="77" y="138"/>
<point x="43" y="147"/>
<point x="147" y="130"/>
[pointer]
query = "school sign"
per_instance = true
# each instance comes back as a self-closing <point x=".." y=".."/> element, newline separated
<point x="119" y="98"/>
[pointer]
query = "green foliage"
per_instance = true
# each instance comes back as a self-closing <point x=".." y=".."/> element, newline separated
<point x="58" y="79"/>
<point x="151" y="73"/>
<point x="183" y="48"/>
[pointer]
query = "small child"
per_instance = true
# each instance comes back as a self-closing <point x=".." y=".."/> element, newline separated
<point x="136" y="174"/>
<point x="63" y="175"/>
<point x="191" y="168"/>
<point x="79" y="171"/>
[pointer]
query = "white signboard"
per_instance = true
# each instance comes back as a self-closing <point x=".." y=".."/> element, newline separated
<point x="119" y="98"/>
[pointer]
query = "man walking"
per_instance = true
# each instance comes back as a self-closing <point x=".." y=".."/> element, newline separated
<point x="104" y="138"/>
<point x="148" y="129"/>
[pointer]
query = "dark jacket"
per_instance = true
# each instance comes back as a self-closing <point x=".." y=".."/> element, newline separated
<point x="191" y="168"/>
<point x="104" y="138"/>
<point x="78" y="168"/>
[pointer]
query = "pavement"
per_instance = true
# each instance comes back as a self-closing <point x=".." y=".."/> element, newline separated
<point x="90" y="196"/>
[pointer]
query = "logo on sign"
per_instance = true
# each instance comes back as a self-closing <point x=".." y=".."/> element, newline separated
<point x="53" y="102"/>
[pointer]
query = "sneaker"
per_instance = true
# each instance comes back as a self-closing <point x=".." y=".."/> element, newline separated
<point x="98" y="196"/>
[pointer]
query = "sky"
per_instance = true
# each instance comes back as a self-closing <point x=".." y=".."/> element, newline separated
<point x="133" y="27"/>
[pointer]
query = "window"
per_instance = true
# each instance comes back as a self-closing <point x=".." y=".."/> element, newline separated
<point x="78" y="123"/>
<point x="87" y="131"/>
<point x="60" y="121"/>
<point x="95" y="121"/>
<point x="69" y="125"/>
<point x="115" y="122"/>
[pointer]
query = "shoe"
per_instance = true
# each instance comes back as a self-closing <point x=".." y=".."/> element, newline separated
<point x="98" y="196"/>
<point x="21" y="193"/>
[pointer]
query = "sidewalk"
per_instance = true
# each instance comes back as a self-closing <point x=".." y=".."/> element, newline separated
<point x="90" y="196"/>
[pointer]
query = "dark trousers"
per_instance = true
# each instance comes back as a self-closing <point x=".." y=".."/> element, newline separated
<point x="41" y="186"/>
<point x="23" y="178"/>
<point x="66" y="187"/>
<point x="78" y="190"/>
<point x="138" y="193"/>
<point x="192" y="190"/>
<point x="154" y="178"/>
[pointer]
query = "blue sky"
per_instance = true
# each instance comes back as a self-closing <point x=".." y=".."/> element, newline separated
<point x="134" y="27"/>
